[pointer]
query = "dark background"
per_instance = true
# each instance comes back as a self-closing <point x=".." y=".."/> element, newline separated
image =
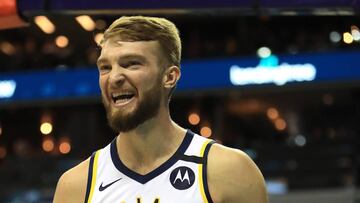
<point x="325" y="116"/>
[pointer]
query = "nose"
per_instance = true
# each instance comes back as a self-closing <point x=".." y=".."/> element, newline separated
<point x="116" y="77"/>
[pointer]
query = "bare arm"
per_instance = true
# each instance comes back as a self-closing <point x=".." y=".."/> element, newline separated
<point x="234" y="178"/>
<point x="71" y="187"/>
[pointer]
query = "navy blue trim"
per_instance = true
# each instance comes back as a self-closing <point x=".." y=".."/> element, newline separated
<point x="194" y="159"/>
<point x="163" y="167"/>
<point x="89" y="180"/>
<point x="204" y="172"/>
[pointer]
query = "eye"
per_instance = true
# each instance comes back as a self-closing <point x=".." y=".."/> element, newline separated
<point x="132" y="64"/>
<point x="104" y="68"/>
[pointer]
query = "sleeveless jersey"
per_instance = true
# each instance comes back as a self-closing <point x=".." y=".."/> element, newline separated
<point x="181" y="179"/>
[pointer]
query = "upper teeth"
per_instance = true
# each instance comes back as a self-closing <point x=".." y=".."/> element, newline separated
<point x="121" y="94"/>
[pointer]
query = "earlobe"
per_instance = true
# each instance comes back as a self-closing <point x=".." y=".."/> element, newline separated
<point x="172" y="75"/>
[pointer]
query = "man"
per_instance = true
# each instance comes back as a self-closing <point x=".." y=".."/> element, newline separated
<point x="153" y="160"/>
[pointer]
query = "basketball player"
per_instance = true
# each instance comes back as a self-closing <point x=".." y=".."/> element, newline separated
<point x="153" y="160"/>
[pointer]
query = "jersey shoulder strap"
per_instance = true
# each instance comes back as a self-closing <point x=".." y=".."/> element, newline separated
<point x="198" y="153"/>
<point x="91" y="181"/>
<point x="204" y="189"/>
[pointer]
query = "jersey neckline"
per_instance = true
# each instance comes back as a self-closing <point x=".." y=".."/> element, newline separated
<point x="154" y="173"/>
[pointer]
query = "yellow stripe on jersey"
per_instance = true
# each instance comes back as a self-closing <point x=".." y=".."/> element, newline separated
<point x="201" y="181"/>
<point x="94" y="173"/>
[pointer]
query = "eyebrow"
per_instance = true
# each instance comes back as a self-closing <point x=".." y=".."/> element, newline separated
<point x="124" y="57"/>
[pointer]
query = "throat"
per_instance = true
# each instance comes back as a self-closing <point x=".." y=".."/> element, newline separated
<point x="143" y="154"/>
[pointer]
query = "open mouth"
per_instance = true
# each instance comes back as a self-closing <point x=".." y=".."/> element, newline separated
<point x="122" y="98"/>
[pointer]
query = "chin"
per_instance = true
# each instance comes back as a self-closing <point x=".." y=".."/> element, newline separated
<point x="117" y="115"/>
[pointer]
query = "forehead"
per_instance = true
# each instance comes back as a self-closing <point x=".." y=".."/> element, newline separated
<point x="115" y="47"/>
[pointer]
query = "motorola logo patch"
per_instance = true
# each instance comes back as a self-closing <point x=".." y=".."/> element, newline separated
<point x="182" y="178"/>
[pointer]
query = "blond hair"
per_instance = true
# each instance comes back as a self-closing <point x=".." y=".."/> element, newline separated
<point x="143" y="28"/>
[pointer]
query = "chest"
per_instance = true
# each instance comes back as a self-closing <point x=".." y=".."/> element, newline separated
<point x="182" y="182"/>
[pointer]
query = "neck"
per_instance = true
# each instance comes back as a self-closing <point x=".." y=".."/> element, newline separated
<point x="150" y="144"/>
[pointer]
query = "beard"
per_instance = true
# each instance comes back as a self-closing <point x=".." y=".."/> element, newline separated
<point x="145" y="109"/>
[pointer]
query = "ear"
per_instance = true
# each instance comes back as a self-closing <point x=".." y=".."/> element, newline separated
<point x="171" y="76"/>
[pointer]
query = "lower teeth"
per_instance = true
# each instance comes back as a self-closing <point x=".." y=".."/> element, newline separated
<point x="122" y="100"/>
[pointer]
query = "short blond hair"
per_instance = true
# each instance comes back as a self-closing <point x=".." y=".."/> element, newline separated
<point x="143" y="28"/>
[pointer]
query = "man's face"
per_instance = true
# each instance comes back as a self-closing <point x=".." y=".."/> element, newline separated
<point x="130" y="82"/>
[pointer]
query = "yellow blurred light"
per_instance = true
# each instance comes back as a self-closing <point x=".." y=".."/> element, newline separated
<point x="194" y="118"/>
<point x="264" y="52"/>
<point x="7" y="48"/>
<point x="280" y="124"/>
<point x="272" y="113"/>
<point x="61" y="41"/>
<point x="64" y="147"/>
<point x="46" y="128"/>
<point x="45" y="24"/>
<point x="205" y="131"/>
<point x="86" y="22"/>
<point x="48" y="145"/>
<point x="0" y="130"/>
<point x="348" y="38"/>
<point x="98" y="37"/>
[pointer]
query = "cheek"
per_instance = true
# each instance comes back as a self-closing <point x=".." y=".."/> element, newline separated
<point x="152" y="87"/>
<point x="147" y="86"/>
<point x="102" y="85"/>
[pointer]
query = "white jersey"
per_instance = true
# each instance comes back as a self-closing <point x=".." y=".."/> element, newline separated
<point x="181" y="179"/>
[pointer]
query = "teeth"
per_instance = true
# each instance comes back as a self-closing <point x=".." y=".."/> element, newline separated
<point x="121" y="100"/>
<point x="121" y="97"/>
<point x="121" y="94"/>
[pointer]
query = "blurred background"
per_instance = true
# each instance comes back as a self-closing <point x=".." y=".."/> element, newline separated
<point x="279" y="80"/>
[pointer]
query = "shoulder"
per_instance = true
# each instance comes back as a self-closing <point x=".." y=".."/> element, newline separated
<point x="234" y="177"/>
<point x="71" y="186"/>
